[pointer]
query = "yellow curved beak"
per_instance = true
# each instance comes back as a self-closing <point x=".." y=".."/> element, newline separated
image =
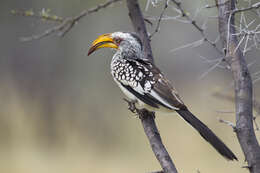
<point x="104" y="40"/>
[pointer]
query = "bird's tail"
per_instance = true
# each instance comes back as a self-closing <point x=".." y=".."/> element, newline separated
<point x="207" y="134"/>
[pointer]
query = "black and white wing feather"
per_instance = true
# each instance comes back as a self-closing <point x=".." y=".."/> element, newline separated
<point x="145" y="81"/>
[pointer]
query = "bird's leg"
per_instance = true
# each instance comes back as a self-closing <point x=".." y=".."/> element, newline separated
<point x="131" y="106"/>
<point x="141" y="113"/>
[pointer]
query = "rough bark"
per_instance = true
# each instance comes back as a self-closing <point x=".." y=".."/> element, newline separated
<point x="243" y="86"/>
<point x="147" y="118"/>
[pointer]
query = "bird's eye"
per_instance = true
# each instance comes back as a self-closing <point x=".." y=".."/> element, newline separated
<point x="117" y="40"/>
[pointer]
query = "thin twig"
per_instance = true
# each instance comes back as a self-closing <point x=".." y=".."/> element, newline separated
<point x="194" y="23"/>
<point x="192" y="45"/>
<point x="227" y="123"/>
<point x="44" y="15"/>
<point x="254" y="6"/>
<point x="219" y="95"/>
<point x="159" y="20"/>
<point x="203" y="75"/>
<point x="215" y="5"/>
<point x="66" y="24"/>
<point x="225" y="112"/>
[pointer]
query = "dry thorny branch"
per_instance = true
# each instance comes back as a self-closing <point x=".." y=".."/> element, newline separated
<point x="256" y="106"/>
<point x="248" y="32"/>
<point x="184" y="17"/>
<point x="64" y="25"/>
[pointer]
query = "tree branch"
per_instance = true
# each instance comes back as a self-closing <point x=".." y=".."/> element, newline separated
<point x="147" y="118"/>
<point x="243" y="86"/>
<point x="254" y="6"/>
<point x="153" y="135"/>
<point x="159" y="20"/>
<point x="194" y="23"/>
<point x="64" y="24"/>
<point x="137" y="19"/>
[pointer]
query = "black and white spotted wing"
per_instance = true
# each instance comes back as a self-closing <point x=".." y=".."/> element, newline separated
<point x="145" y="81"/>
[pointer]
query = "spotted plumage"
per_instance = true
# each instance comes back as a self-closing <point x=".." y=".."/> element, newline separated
<point x="143" y="82"/>
<point x="141" y="78"/>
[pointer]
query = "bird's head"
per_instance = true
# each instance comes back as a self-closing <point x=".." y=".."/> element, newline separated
<point x="122" y="41"/>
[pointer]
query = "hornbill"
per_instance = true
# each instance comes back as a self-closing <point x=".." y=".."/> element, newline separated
<point x="143" y="82"/>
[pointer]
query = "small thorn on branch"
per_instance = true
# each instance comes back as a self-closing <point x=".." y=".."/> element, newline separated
<point x="228" y="123"/>
<point x="256" y="125"/>
<point x="225" y="112"/>
<point x="247" y="167"/>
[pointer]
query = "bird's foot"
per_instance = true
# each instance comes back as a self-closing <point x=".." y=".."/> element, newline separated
<point x="131" y="106"/>
<point x="140" y="113"/>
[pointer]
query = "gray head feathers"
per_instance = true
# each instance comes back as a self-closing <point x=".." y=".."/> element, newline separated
<point x="130" y="45"/>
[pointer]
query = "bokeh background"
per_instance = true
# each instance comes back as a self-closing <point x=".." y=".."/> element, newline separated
<point x="60" y="110"/>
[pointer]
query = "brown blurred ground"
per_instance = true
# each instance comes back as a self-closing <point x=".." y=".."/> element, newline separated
<point x="61" y="111"/>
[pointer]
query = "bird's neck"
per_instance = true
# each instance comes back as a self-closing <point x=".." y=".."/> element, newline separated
<point x="129" y="52"/>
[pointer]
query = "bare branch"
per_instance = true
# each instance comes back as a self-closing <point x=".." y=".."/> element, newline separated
<point x="192" y="44"/>
<point x="43" y="14"/>
<point x="46" y="33"/>
<point x="227" y="123"/>
<point x="147" y="118"/>
<point x="152" y="133"/>
<point x="225" y="112"/>
<point x="66" y="24"/>
<point x="219" y="95"/>
<point x="194" y="23"/>
<point x="159" y="20"/>
<point x="254" y="6"/>
<point x="215" y="5"/>
<point x="211" y="68"/>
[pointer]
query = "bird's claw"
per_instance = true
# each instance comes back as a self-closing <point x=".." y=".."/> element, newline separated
<point x="140" y="113"/>
<point x="131" y="106"/>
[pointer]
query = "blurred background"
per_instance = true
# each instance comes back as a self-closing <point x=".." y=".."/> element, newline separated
<point x="60" y="110"/>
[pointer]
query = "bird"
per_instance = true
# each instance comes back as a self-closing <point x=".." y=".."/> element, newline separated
<point x="142" y="82"/>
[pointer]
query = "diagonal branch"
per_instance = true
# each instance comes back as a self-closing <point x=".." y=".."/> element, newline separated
<point x="159" y="20"/>
<point x="64" y="24"/>
<point x="254" y="6"/>
<point x="243" y="86"/>
<point x="194" y="23"/>
<point x="153" y="135"/>
<point x="147" y="119"/>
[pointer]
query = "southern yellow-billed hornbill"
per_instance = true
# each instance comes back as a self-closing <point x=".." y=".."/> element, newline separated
<point x="143" y="82"/>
